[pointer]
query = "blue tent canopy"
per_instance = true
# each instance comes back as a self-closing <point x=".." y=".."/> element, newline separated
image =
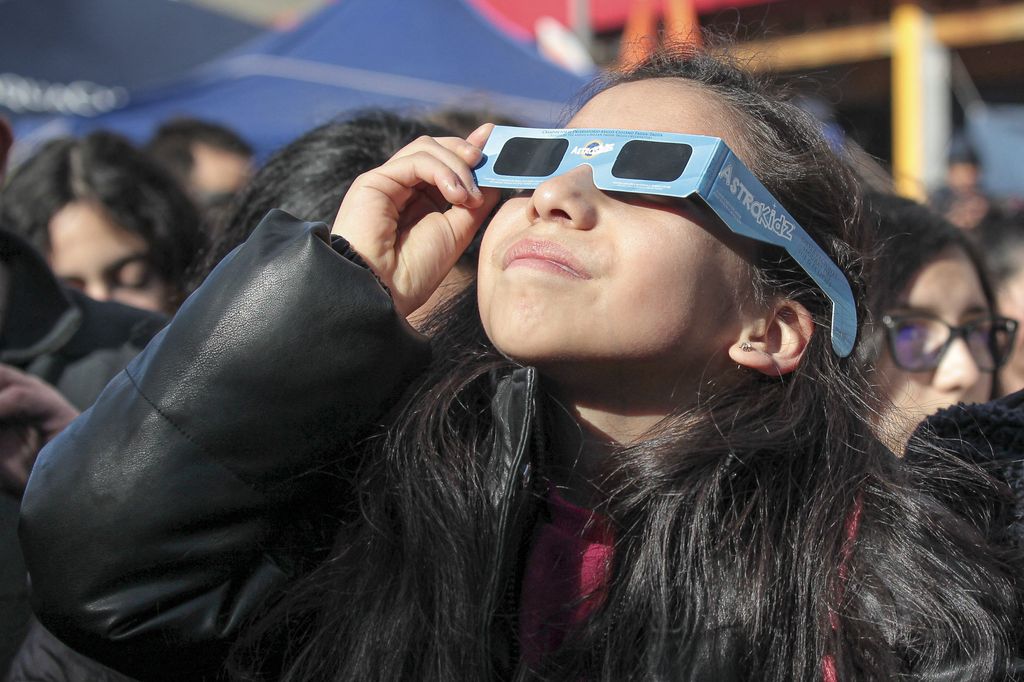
<point x="407" y="55"/>
<point x="997" y="133"/>
<point x="81" y="56"/>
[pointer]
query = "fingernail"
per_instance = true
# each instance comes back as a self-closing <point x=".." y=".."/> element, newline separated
<point x="479" y="129"/>
<point x="456" y="188"/>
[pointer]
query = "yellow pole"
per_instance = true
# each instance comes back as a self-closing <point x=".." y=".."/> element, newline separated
<point x="909" y="32"/>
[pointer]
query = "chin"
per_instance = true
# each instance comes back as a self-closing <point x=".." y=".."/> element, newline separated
<point x="526" y="333"/>
<point x="530" y="350"/>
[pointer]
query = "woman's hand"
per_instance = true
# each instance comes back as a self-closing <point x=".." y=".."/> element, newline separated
<point x="32" y="413"/>
<point x="412" y="218"/>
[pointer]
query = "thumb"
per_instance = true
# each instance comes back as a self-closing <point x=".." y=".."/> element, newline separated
<point x="465" y="221"/>
<point x="432" y="248"/>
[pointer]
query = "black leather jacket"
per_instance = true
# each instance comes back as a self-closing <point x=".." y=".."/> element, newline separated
<point x="150" y="545"/>
<point x="76" y="344"/>
<point x="174" y="526"/>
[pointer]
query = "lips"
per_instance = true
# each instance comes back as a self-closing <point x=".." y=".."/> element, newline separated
<point x="544" y="255"/>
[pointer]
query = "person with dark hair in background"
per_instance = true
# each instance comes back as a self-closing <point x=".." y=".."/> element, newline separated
<point x="962" y="200"/>
<point x="937" y="341"/>
<point x="937" y="338"/>
<point x="309" y="177"/>
<point x="109" y="220"/>
<point x="211" y="161"/>
<point x="640" y="448"/>
<point x="58" y="349"/>
<point x="462" y="122"/>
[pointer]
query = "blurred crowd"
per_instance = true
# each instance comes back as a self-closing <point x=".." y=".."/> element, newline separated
<point x="101" y="241"/>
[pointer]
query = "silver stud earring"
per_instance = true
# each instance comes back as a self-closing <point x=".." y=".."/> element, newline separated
<point x="746" y="347"/>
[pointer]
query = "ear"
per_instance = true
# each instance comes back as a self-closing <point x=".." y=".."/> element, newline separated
<point x="774" y="343"/>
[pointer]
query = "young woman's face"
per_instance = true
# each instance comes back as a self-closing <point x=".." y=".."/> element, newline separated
<point x="89" y="252"/>
<point x="587" y="285"/>
<point x="947" y="288"/>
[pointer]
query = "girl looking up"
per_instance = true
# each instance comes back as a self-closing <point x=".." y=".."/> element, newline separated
<point x="635" y="451"/>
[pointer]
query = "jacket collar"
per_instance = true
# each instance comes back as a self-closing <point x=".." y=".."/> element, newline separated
<point x="40" y="318"/>
<point x="514" y="408"/>
<point x="510" y="471"/>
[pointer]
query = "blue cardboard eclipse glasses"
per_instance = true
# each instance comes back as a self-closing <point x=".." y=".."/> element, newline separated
<point x="674" y="165"/>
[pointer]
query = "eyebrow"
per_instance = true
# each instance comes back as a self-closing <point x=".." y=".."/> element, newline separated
<point x="929" y="312"/>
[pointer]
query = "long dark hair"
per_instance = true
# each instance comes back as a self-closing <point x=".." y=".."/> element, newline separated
<point x="762" y="527"/>
<point x="310" y="175"/>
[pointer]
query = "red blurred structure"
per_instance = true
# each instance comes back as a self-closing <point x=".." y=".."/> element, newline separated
<point x="640" y="35"/>
<point x="681" y="22"/>
<point x="520" y="16"/>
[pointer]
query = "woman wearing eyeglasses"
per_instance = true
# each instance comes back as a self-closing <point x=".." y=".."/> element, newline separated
<point x="937" y="337"/>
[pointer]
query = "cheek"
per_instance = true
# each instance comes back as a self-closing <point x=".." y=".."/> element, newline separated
<point x="153" y="297"/>
<point x="981" y="391"/>
<point x="904" y="389"/>
<point x="908" y="396"/>
<point x="656" y="300"/>
<point x="507" y="306"/>
<point x="486" y="275"/>
<point x="680" y="291"/>
<point x="914" y="397"/>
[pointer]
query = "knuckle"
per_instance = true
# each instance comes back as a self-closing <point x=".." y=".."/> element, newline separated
<point x="424" y="139"/>
<point x="362" y="179"/>
<point x="19" y="395"/>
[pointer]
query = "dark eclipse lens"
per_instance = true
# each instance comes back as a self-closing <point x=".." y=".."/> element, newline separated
<point x="647" y="160"/>
<point x="530" y="157"/>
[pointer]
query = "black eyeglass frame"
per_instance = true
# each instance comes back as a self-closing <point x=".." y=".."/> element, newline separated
<point x="891" y="323"/>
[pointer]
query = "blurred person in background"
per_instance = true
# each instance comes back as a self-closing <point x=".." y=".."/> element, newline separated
<point x="309" y="177"/>
<point x="1001" y="238"/>
<point x="937" y="336"/>
<point x="941" y="347"/>
<point x="462" y="122"/>
<point x="58" y="348"/>
<point x="211" y="161"/>
<point x="110" y="221"/>
<point x="962" y="200"/>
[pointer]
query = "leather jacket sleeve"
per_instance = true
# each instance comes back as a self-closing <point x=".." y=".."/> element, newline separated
<point x="206" y="472"/>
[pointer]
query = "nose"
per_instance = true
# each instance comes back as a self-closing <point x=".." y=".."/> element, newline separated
<point x="569" y="199"/>
<point x="958" y="372"/>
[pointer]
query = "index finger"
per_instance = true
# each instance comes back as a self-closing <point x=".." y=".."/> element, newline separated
<point x="12" y="375"/>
